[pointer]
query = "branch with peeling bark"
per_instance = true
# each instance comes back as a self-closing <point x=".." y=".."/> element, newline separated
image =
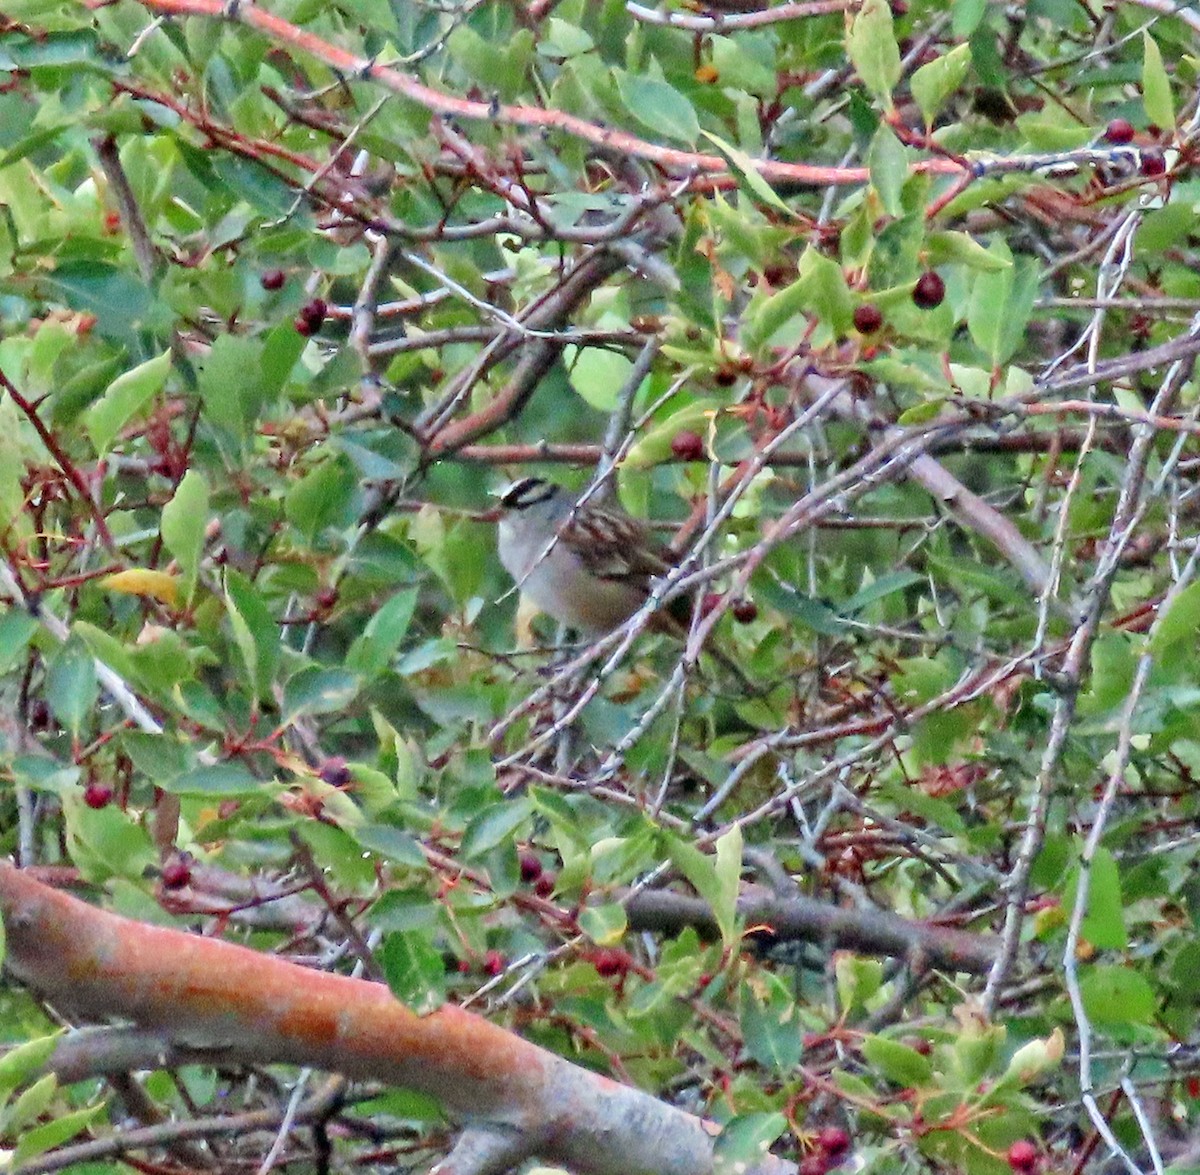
<point x="513" y="1099"/>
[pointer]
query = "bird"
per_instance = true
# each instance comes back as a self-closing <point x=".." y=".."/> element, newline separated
<point x="589" y="567"/>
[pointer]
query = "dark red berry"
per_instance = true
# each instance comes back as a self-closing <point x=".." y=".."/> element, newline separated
<point x="687" y="445"/>
<point x="899" y="8"/>
<point x="272" y="279"/>
<point x="1153" y="163"/>
<point x="929" y="290"/>
<point x="531" y="868"/>
<point x="1022" y="1155"/>
<point x="335" y="772"/>
<point x="304" y="327"/>
<point x="744" y="611"/>
<point x="97" y="795"/>
<point x="709" y="602"/>
<point x="610" y="962"/>
<point x="868" y="318"/>
<point x="544" y="886"/>
<point x="493" y="963"/>
<point x="834" y="1141"/>
<point x="313" y="311"/>
<point x="1119" y="132"/>
<point x="176" y="873"/>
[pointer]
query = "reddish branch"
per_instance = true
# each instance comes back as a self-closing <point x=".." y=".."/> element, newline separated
<point x="529" y="117"/>
<point x="516" y="1099"/>
<point x="69" y="468"/>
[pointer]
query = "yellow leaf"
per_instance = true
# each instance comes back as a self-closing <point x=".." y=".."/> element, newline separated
<point x="141" y="581"/>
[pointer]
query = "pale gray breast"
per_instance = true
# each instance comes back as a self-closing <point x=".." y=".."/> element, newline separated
<point x="558" y="582"/>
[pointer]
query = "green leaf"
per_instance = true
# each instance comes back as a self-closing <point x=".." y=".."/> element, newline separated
<point x="184" y="520"/>
<point x="745" y="1140"/>
<point x="318" y="690"/>
<point x="934" y="82"/>
<point x="46" y="1137"/>
<point x="771" y="1028"/>
<point x="871" y="46"/>
<point x="496" y="824"/>
<point x="398" y="846"/>
<point x="1156" y="86"/>
<point x="255" y="631"/>
<point x="728" y="876"/>
<point x="71" y="686"/>
<point x="1117" y="995"/>
<point x="945" y="247"/>
<point x="888" y="162"/>
<point x="655" y="446"/>
<point x="1001" y="305"/>
<point x="32" y="1103"/>
<point x="230" y="383"/>
<point x="1178" y="624"/>
<point x="748" y="174"/>
<point x="219" y="779"/>
<point x="897" y="1062"/>
<point x="16" y="629"/>
<point x="372" y="652"/>
<point x="701" y="872"/>
<point x="605" y="925"/>
<point x="123" y="398"/>
<point x="322" y="497"/>
<point x="414" y="970"/>
<point x="1104" y="924"/>
<point x="20" y="1063"/>
<point x="597" y="375"/>
<point x="658" y="105"/>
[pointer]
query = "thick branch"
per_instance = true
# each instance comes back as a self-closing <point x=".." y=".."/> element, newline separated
<point x="209" y="993"/>
<point x="796" y="917"/>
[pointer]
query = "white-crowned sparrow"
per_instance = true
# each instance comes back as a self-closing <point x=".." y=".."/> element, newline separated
<point x="589" y="567"/>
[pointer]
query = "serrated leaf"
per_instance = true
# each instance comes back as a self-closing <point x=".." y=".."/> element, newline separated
<point x="318" y="690"/>
<point x="182" y="525"/>
<point x="219" y="779"/>
<point x="701" y="873"/>
<point x="46" y="1137"/>
<point x="254" y="629"/>
<point x="32" y="1103"/>
<point x="659" y="106"/>
<point x="71" y="686"/>
<point x="372" y="652"/>
<point x="745" y="1140"/>
<point x="145" y="582"/>
<point x="743" y="167"/>
<point x="414" y="970"/>
<point x="961" y="247"/>
<point x="934" y="82"/>
<point x="22" y="1062"/>
<point x="871" y="46"/>
<point x="123" y="398"/>
<point x="888" y="160"/>
<point x="728" y="871"/>
<point x="1156" y="86"/>
<point x="770" y="1023"/>
<point x="897" y="1062"/>
<point x="496" y="824"/>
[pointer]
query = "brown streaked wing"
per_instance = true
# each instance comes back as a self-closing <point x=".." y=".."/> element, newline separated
<point x="615" y="546"/>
